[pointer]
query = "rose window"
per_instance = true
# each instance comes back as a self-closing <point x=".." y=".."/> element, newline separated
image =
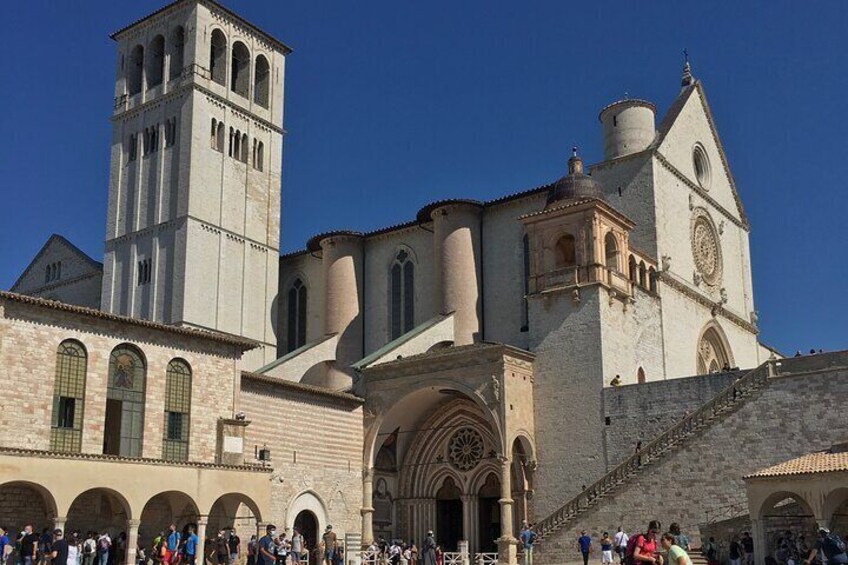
<point x="706" y="250"/>
<point x="465" y="449"/>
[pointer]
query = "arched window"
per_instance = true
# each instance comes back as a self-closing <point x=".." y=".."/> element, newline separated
<point x="218" y="57"/>
<point x="236" y="145"/>
<point x="155" y="61"/>
<point x="135" y="70"/>
<point x="213" y="138"/>
<point x="245" y="144"/>
<point x="261" y="81"/>
<point x="240" y="82"/>
<point x="403" y="294"/>
<point x="177" y="411"/>
<point x="640" y="375"/>
<point x="643" y="275"/>
<point x="297" y="315"/>
<point x="633" y="269"/>
<point x="177" y="52"/>
<point x="232" y="136"/>
<point x="611" y="251"/>
<point x="124" y="426"/>
<point x="47" y="274"/>
<point x="652" y="279"/>
<point x="566" y="255"/>
<point x="258" y="155"/>
<point x="220" y="137"/>
<point x="68" y="397"/>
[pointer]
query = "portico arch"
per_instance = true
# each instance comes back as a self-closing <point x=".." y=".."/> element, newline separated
<point x="835" y="510"/>
<point x="101" y="510"/>
<point x="234" y="511"/>
<point x="785" y="511"/>
<point x="23" y="503"/>
<point x="164" y="509"/>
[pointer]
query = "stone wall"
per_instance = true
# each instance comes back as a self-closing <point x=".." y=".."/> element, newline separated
<point x="796" y="413"/>
<point x="316" y="448"/>
<point x="643" y="411"/>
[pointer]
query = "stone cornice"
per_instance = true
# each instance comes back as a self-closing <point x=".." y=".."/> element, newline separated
<point x="98" y="457"/>
<point x="302" y="388"/>
<point x="193" y="85"/>
<point x="716" y="308"/>
<point x="700" y="191"/>
<point x="473" y="355"/>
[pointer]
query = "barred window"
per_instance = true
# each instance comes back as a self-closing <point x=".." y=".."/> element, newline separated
<point x="177" y="411"/>
<point x="68" y="397"/>
<point x="403" y="294"/>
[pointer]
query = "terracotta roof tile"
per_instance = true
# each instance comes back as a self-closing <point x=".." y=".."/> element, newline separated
<point x="821" y="462"/>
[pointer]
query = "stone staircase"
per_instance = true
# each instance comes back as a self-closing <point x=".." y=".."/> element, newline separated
<point x="720" y="406"/>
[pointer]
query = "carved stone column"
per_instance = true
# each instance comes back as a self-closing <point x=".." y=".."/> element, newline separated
<point x="200" y="551"/>
<point x="367" y="510"/>
<point x="506" y="543"/>
<point x="132" y="541"/>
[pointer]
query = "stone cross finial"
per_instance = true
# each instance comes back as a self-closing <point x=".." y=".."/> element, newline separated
<point x="687" y="79"/>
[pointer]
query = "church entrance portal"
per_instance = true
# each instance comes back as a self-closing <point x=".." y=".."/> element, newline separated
<point x="307" y="525"/>
<point x="489" y="514"/>
<point x="448" y="516"/>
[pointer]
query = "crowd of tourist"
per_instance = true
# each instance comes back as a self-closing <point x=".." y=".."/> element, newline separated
<point x="399" y="552"/>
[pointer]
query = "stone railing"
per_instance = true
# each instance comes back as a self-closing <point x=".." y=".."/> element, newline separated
<point x="656" y="448"/>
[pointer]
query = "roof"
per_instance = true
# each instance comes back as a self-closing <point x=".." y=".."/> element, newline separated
<point x="813" y="463"/>
<point x="242" y="343"/>
<point x="627" y="102"/>
<point x="215" y="5"/>
<point x="455" y="350"/>
<point x="303" y="387"/>
<point x="56" y="238"/>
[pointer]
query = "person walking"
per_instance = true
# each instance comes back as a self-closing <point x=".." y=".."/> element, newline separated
<point x="73" y="551"/>
<point x="265" y="555"/>
<point x="606" y="549"/>
<point x="620" y="540"/>
<point x="428" y="550"/>
<point x="735" y="551"/>
<point x="104" y="544"/>
<point x="5" y="546"/>
<point x="644" y="547"/>
<point x="748" y="547"/>
<point x="680" y="539"/>
<point x="710" y="551"/>
<point x="831" y="545"/>
<point x="329" y="540"/>
<point x="296" y="546"/>
<point x="190" y="547"/>
<point x="676" y="554"/>
<point x="89" y="548"/>
<point x="234" y="544"/>
<point x="58" y="549"/>
<point x="173" y="544"/>
<point x="528" y="538"/>
<point x="584" y="543"/>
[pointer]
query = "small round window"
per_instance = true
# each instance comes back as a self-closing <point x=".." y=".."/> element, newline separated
<point x="702" y="166"/>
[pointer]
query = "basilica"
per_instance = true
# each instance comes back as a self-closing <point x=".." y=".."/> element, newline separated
<point x="464" y="371"/>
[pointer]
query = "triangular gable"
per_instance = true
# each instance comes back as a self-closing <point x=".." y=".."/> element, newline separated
<point x="57" y="247"/>
<point x="681" y="106"/>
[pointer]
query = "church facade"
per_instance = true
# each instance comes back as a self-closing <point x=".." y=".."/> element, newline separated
<point x="446" y="373"/>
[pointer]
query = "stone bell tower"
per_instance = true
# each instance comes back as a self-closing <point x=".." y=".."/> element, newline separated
<point x="193" y="223"/>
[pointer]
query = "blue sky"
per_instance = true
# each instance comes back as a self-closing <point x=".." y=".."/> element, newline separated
<point x="392" y="104"/>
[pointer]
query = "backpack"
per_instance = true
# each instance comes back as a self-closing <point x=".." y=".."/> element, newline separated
<point x="89" y="546"/>
<point x="709" y="551"/>
<point x="631" y="548"/>
<point x="833" y="545"/>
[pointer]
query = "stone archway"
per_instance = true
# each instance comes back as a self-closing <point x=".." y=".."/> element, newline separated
<point x="164" y="509"/>
<point x="309" y="511"/>
<point x="784" y="517"/>
<point x="23" y="503"/>
<point x="233" y="511"/>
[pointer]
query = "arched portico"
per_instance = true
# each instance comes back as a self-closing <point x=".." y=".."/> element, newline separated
<point x="308" y="511"/>
<point x="440" y="431"/>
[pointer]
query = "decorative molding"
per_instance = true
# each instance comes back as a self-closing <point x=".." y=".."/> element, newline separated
<point x="716" y="308"/>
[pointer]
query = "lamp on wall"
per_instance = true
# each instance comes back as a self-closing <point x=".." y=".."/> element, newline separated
<point x="263" y="454"/>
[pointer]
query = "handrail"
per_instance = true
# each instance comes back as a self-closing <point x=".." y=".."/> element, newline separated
<point x="746" y="383"/>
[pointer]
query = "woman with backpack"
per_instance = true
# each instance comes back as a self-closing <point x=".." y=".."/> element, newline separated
<point x="832" y="546"/>
<point x="642" y="548"/>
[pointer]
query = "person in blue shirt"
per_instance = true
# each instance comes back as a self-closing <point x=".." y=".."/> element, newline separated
<point x="173" y="544"/>
<point x="5" y="548"/>
<point x="585" y="544"/>
<point x="191" y="546"/>
<point x="528" y="538"/>
<point x="266" y="555"/>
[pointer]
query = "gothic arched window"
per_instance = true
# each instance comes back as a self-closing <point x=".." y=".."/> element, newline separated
<point x="403" y="294"/>
<point x="68" y="397"/>
<point x="297" y="315"/>
<point x="124" y="425"/>
<point x="177" y="411"/>
<point x="640" y="375"/>
<point x="713" y="356"/>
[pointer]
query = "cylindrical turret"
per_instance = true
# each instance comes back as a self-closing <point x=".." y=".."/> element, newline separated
<point x="456" y="238"/>
<point x="342" y="259"/>
<point x="628" y="127"/>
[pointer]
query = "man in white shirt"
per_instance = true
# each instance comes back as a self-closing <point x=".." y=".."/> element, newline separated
<point x="620" y="539"/>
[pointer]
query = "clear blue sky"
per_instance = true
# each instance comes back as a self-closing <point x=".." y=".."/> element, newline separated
<point x="392" y="104"/>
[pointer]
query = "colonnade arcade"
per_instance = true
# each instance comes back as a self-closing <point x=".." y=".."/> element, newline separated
<point x="131" y="501"/>
<point x="450" y="448"/>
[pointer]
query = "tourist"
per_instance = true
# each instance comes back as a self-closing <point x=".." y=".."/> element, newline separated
<point x="265" y="555"/>
<point x="73" y="551"/>
<point x="58" y="549"/>
<point x="89" y="548"/>
<point x="680" y="540"/>
<point x="5" y="546"/>
<point x="527" y="538"/>
<point x="45" y="543"/>
<point x="140" y="556"/>
<point x="440" y="555"/>
<point x="222" y="549"/>
<point x="710" y="551"/>
<point x="405" y="555"/>
<point x="620" y="540"/>
<point x="676" y="554"/>
<point x="616" y="382"/>
<point x="413" y="553"/>
<point x="234" y="544"/>
<point x="296" y="546"/>
<point x="584" y="543"/>
<point x="735" y="551"/>
<point x="329" y="540"/>
<point x="638" y="454"/>
<point x="831" y="545"/>
<point x="172" y="544"/>
<point x="748" y="548"/>
<point x="606" y="549"/>
<point x="338" y="554"/>
<point x="191" y="546"/>
<point x="644" y="546"/>
<point x="251" y="550"/>
<point x="428" y="550"/>
<point x="104" y="545"/>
